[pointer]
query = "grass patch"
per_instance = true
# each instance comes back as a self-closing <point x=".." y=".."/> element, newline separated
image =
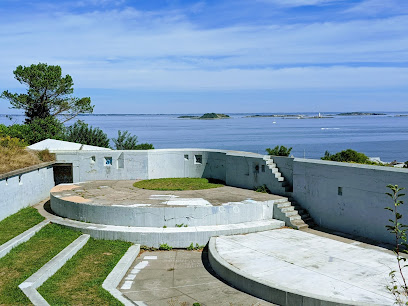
<point x="18" y="223"/>
<point x="25" y="259"/>
<point x="79" y="281"/>
<point x="177" y="184"/>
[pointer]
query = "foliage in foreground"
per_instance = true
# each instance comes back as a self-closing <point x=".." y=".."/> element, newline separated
<point x="79" y="281"/>
<point x="48" y="93"/>
<point x="126" y="141"/>
<point x="279" y="151"/>
<point x="176" y="184"/>
<point x="15" y="156"/>
<point x="399" y="230"/>
<point x="27" y="258"/>
<point x="81" y="132"/>
<point x="18" y="223"/>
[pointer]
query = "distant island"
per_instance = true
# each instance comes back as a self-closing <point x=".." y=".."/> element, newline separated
<point x="360" y="114"/>
<point x="290" y="116"/>
<point x="274" y="116"/>
<point x="206" y="116"/>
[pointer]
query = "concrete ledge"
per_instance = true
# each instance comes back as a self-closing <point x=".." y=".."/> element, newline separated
<point x="23" y="237"/>
<point x="270" y="292"/>
<point x="25" y="170"/>
<point x="155" y="236"/>
<point x="118" y="273"/>
<point x="30" y="285"/>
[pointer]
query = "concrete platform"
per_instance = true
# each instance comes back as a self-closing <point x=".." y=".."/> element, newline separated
<point x="112" y="193"/>
<point x="177" y="237"/>
<point x="290" y="267"/>
<point x="119" y="203"/>
<point x="179" y="277"/>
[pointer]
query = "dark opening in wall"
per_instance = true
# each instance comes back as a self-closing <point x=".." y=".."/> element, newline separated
<point x="340" y="191"/>
<point x="263" y="168"/>
<point x="198" y="159"/>
<point x="185" y="156"/>
<point x="63" y="174"/>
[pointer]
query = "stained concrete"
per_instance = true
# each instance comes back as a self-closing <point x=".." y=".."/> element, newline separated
<point x="119" y="203"/>
<point x="123" y="193"/>
<point x="177" y="277"/>
<point x="310" y="265"/>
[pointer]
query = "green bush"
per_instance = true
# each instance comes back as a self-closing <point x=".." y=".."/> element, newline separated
<point x="165" y="247"/>
<point x="125" y="141"/>
<point x="35" y="131"/>
<point x="348" y="155"/>
<point x="279" y="151"/>
<point x="81" y="132"/>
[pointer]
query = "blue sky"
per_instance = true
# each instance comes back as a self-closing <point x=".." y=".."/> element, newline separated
<point x="215" y="56"/>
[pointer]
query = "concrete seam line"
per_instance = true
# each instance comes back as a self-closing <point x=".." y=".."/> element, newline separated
<point x="118" y="273"/>
<point x="30" y="285"/>
<point x="236" y="277"/>
<point x="23" y="237"/>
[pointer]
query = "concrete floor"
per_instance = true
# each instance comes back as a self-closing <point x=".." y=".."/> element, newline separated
<point x="307" y="263"/>
<point x="179" y="277"/>
<point x="123" y="193"/>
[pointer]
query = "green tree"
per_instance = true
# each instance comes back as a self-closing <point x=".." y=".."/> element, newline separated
<point x="348" y="155"/>
<point x="279" y="151"/>
<point x="126" y="141"/>
<point x="80" y="132"/>
<point x="48" y="94"/>
<point x="35" y="131"/>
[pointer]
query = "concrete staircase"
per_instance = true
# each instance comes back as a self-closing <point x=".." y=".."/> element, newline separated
<point x="289" y="210"/>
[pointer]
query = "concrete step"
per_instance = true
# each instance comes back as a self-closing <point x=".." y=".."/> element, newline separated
<point x="278" y="174"/>
<point x="287" y="209"/>
<point x="283" y="204"/>
<point x="291" y="213"/>
<point x="280" y="179"/>
<point x="274" y="170"/>
<point x="175" y="237"/>
<point x="271" y="164"/>
<point x="296" y="217"/>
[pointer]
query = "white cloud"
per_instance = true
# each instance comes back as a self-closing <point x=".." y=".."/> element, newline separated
<point x="379" y="7"/>
<point x="295" y="3"/>
<point x="160" y="50"/>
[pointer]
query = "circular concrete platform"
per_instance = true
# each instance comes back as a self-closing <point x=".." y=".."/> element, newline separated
<point x="119" y="203"/>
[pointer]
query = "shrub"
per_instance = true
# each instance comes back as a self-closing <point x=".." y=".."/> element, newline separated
<point x="279" y="151"/>
<point x="144" y="146"/>
<point x="165" y="247"/>
<point x="347" y="156"/>
<point x="38" y="130"/>
<point x="81" y="132"/>
<point x="125" y="141"/>
<point x="262" y="189"/>
<point x="11" y="142"/>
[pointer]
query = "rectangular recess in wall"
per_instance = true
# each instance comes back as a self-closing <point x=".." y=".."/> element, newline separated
<point x="198" y="159"/>
<point x="108" y="161"/>
<point x="185" y="156"/>
<point x="340" y="191"/>
<point x="121" y="161"/>
<point x="93" y="159"/>
<point x="263" y="168"/>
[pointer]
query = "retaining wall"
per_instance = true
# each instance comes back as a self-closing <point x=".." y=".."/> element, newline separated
<point x="348" y="198"/>
<point x="25" y="187"/>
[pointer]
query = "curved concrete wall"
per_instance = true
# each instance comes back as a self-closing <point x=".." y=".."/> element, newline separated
<point x="163" y="216"/>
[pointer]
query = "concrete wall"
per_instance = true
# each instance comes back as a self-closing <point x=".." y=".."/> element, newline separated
<point x="20" y="189"/>
<point x="163" y="216"/>
<point x="358" y="211"/>
<point x="359" y="208"/>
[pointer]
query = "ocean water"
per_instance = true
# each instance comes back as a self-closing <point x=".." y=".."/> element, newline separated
<point x="376" y="136"/>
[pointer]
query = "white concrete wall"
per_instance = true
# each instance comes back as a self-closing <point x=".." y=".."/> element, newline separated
<point x="360" y="209"/>
<point x="26" y="189"/>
